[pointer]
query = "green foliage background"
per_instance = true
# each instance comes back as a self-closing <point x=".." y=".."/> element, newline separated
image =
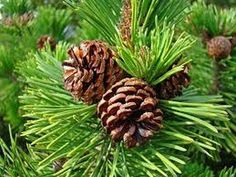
<point x="34" y="103"/>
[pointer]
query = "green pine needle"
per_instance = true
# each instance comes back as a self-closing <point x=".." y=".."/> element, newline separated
<point x="153" y="55"/>
<point x="228" y="172"/>
<point x="15" y="7"/>
<point x="59" y="127"/>
<point x="209" y="18"/>
<point x="15" y="161"/>
<point x="195" y="169"/>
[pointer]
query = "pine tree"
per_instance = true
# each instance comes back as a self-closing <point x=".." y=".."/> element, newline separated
<point x="121" y="95"/>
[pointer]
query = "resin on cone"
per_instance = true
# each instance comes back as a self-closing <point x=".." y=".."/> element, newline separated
<point x="219" y="47"/>
<point x="90" y="71"/>
<point x="129" y="112"/>
<point x="174" y="85"/>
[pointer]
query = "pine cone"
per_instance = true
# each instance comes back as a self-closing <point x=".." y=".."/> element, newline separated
<point x="125" y="24"/>
<point x="174" y="85"/>
<point x="90" y="71"/>
<point x="129" y="111"/>
<point x="43" y="40"/>
<point x="219" y="47"/>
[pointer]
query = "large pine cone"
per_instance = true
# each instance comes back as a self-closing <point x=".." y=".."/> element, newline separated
<point x="129" y="111"/>
<point x="90" y="71"/>
<point x="173" y="86"/>
<point x="219" y="47"/>
<point x="43" y="40"/>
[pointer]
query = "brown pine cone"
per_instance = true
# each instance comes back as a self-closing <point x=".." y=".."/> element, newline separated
<point x="219" y="47"/>
<point x="129" y="111"/>
<point x="43" y="40"/>
<point x="125" y="23"/>
<point x="90" y="71"/>
<point x="173" y="86"/>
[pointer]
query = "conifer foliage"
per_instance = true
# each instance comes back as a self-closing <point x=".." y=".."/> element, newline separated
<point x="215" y="28"/>
<point x="121" y="97"/>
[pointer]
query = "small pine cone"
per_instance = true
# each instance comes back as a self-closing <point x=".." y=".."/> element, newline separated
<point x="125" y="23"/>
<point x="173" y="86"/>
<point x="43" y="40"/>
<point x="129" y="111"/>
<point x="219" y="47"/>
<point x="90" y="71"/>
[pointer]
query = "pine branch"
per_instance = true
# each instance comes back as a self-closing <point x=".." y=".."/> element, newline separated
<point x="210" y="19"/>
<point x="226" y="88"/>
<point x="86" y="32"/>
<point x="54" y="21"/>
<point x="13" y="7"/>
<point x="203" y="80"/>
<point x="199" y="114"/>
<point x="195" y="169"/>
<point x="222" y="79"/>
<point x="144" y="13"/>
<point x="154" y="54"/>
<point x="104" y="18"/>
<point x="228" y="172"/>
<point x="60" y="127"/>
<point x="15" y="162"/>
<point x="213" y="21"/>
<point x="10" y="87"/>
